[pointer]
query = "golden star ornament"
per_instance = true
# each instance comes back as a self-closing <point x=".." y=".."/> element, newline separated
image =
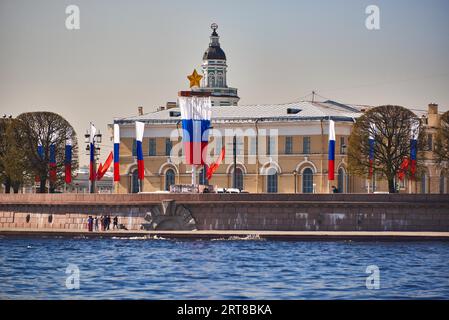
<point x="194" y="79"/>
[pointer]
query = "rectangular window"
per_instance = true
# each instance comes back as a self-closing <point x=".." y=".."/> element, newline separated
<point x="240" y="147"/>
<point x="342" y="145"/>
<point x="288" y="145"/>
<point x="306" y="145"/>
<point x="252" y="146"/>
<point x="271" y="145"/>
<point x="134" y="148"/>
<point x="168" y="146"/>
<point x="152" y="147"/>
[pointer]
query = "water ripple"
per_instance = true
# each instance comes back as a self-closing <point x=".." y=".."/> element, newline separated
<point x="154" y="269"/>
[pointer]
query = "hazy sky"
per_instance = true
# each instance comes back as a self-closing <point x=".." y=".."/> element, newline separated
<point x="131" y="53"/>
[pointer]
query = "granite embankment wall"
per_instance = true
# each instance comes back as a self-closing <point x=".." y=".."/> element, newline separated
<point x="289" y="212"/>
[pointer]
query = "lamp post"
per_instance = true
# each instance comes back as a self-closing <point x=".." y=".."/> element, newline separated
<point x="97" y="138"/>
<point x="295" y="174"/>
<point x="234" y="148"/>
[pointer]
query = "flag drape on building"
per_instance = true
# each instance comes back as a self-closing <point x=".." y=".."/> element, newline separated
<point x="331" y="151"/>
<point x="195" y="115"/>
<point x="140" y="128"/>
<point x="116" y="152"/>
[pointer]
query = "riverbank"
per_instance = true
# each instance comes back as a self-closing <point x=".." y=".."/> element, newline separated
<point x="233" y="212"/>
<point x="235" y="235"/>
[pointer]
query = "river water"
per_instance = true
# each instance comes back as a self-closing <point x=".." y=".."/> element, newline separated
<point x="48" y="268"/>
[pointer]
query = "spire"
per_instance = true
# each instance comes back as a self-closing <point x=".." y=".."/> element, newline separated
<point x="214" y="38"/>
<point x="214" y="51"/>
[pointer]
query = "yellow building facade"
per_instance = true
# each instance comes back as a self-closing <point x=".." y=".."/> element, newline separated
<point x="281" y="148"/>
<point x="284" y="154"/>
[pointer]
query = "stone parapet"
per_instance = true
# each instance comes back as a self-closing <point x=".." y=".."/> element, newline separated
<point x="275" y="212"/>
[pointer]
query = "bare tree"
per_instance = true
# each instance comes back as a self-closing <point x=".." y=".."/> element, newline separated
<point x="47" y="128"/>
<point x="391" y="126"/>
<point x="442" y="143"/>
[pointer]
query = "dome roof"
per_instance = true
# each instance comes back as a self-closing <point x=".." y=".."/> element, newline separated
<point x="214" y="53"/>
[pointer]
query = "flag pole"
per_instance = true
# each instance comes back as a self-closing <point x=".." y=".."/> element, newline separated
<point x="193" y="174"/>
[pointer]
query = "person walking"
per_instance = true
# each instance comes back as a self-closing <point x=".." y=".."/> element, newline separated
<point x="115" y="223"/>
<point x="96" y="223"/>
<point x="90" y="223"/>
<point x="102" y="221"/>
<point x="334" y="189"/>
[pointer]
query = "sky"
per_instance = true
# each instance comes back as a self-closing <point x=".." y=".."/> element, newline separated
<point x="138" y="53"/>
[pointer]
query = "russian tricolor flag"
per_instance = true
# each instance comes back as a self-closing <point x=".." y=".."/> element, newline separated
<point x="116" y="152"/>
<point x="40" y="153"/>
<point x="68" y="161"/>
<point x="52" y="162"/>
<point x="93" y="131"/>
<point x="331" y="151"/>
<point x="414" y="133"/>
<point x="140" y="128"/>
<point x="371" y="139"/>
<point x="195" y="115"/>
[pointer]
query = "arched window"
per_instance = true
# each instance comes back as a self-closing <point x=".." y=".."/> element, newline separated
<point x="341" y="180"/>
<point x="307" y="181"/>
<point x="135" y="182"/>
<point x="169" y="179"/>
<point x="211" y="80"/>
<point x="203" y="177"/>
<point x="238" y="179"/>
<point x="220" y="80"/>
<point x="272" y="180"/>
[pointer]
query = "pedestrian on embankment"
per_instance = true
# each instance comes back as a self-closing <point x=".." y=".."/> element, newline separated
<point x="90" y="223"/>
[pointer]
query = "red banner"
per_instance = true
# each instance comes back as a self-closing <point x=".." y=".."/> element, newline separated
<point x="103" y="168"/>
<point x="214" y="166"/>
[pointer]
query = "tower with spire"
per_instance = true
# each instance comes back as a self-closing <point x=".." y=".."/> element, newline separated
<point x="214" y="69"/>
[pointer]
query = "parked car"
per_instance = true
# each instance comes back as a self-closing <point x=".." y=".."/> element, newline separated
<point x="230" y="190"/>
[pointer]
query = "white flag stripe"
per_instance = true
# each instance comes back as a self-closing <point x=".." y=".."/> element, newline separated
<point x="93" y="132"/>
<point x="414" y="129"/>
<point x="195" y="108"/>
<point x="140" y="127"/>
<point x="331" y="130"/>
<point x="116" y="133"/>
<point x="372" y="132"/>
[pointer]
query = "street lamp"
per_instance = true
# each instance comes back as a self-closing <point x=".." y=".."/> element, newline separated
<point x="97" y="138"/>
<point x="295" y="173"/>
